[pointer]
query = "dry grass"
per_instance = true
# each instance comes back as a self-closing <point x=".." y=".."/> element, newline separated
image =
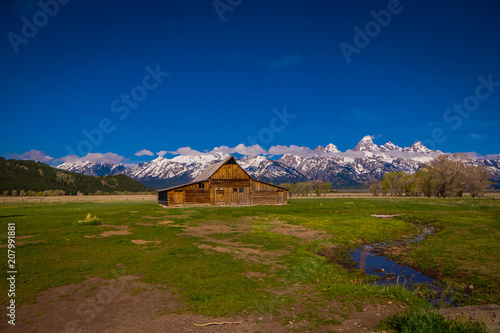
<point x="82" y="198"/>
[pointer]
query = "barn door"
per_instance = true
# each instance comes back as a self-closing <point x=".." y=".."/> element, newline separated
<point x="178" y="197"/>
<point x="219" y="197"/>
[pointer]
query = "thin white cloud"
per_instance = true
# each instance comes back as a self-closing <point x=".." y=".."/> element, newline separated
<point x="287" y="61"/>
<point x="475" y="136"/>
<point x="68" y="159"/>
<point x="144" y="152"/>
<point x="104" y="158"/>
<point x="292" y="149"/>
<point x="35" y="155"/>
<point x="162" y="152"/>
<point x="186" y="151"/>
<point x="110" y="158"/>
<point x="241" y="149"/>
<point x="491" y="157"/>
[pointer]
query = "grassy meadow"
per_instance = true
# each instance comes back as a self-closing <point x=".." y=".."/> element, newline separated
<point x="258" y="260"/>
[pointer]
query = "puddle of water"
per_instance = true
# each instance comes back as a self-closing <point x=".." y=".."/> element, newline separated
<point x="389" y="271"/>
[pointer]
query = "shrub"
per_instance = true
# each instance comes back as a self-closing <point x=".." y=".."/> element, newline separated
<point x="416" y="322"/>
<point x="89" y="220"/>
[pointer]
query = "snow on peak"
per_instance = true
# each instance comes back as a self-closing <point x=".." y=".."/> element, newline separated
<point x="417" y="147"/>
<point x="366" y="144"/>
<point x="331" y="148"/>
<point x="389" y="146"/>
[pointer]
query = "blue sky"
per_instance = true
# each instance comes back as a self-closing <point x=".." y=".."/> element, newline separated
<point x="161" y="75"/>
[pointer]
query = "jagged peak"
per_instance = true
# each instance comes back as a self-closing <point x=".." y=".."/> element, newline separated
<point x="366" y="144"/>
<point x="389" y="146"/>
<point x="417" y="147"/>
<point x="331" y="148"/>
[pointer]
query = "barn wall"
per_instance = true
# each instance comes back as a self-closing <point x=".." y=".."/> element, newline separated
<point x="265" y="194"/>
<point x="230" y="171"/>
<point x="190" y="195"/>
<point x="230" y="192"/>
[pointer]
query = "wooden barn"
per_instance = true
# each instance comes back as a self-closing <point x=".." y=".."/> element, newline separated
<point x="224" y="183"/>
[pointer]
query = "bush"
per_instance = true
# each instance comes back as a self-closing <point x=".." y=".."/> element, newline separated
<point x="416" y="322"/>
<point x="89" y="220"/>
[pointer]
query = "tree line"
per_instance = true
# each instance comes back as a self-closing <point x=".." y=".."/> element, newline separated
<point x="304" y="189"/>
<point x="445" y="176"/>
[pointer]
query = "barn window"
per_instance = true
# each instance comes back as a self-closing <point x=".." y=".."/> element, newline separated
<point x="241" y="189"/>
<point x="201" y="185"/>
<point x="235" y="189"/>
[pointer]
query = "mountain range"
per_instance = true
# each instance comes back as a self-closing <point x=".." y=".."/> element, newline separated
<point x="352" y="167"/>
<point x="25" y="175"/>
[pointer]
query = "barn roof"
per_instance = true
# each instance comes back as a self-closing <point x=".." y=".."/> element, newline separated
<point x="213" y="168"/>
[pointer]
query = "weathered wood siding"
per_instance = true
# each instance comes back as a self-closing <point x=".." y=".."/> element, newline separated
<point x="230" y="192"/>
<point x="230" y="171"/>
<point x="265" y="194"/>
<point x="196" y="195"/>
<point x="188" y="195"/>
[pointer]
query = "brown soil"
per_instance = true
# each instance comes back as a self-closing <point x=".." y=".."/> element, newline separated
<point x="153" y="217"/>
<point x="126" y="304"/>
<point x="121" y="230"/>
<point x="20" y="243"/>
<point x="146" y="224"/>
<point x="166" y="222"/>
<point x="24" y="237"/>
<point x="140" y="241"/>
<point x="487" y="314"/>
<point x="283" y="228"/>
<point x="248" y="252"/>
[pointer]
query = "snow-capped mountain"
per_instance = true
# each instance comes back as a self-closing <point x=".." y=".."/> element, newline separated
<point x="264" y="169"/>
<point x="162" y="172"/>
<point x="330" y="148"/>
<point x="418" y="147"/>
<point x="93" y="169"/>
<point x="327" y="163"/>
<point x="366" y="144"/>
<point x="389" y="146"/>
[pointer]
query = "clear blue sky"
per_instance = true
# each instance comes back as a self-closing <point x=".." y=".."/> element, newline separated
<point x="229" y="67"/>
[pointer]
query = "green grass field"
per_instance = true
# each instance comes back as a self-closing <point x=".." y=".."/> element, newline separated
<point x="261" y="260"/>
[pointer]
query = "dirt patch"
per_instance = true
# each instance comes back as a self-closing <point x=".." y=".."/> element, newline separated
<point x="370" y="316"/>
<point x="153" y="217"/>
<point x="166" y="222"/>
<point x="246" y="253"/>
<point x="487" y="314"/>
<point x="215" y="248"/>
<point x="179" y="216"/>
<point x="95" y="305"/>
<point x="24" y="237"/>
<point x="20" y="243"/>
<point x="283" y="228"/>
<point x="146" y="224"/>
<point x="251" y="253"/>
<point x="121" y="230"/>
<point x="140" y="241"/>
<point x="254" y="274"/>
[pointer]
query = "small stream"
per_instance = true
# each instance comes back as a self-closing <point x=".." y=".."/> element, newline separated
<point x="388" y="270"/>
<point x="391" y="273"/>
